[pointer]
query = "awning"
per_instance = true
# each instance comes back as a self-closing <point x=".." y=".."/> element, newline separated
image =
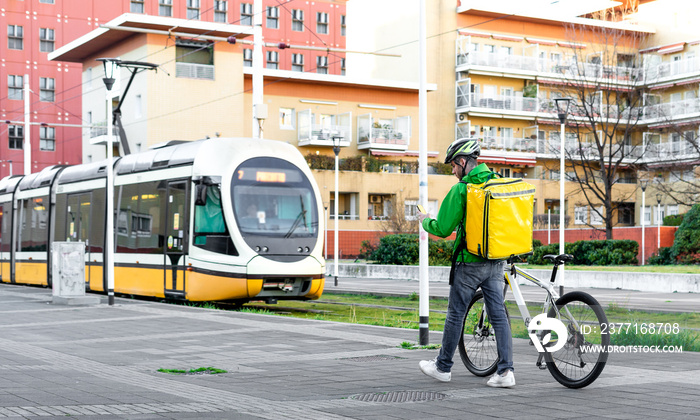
<point x="521" y="161"/>
<point x="541" y="41"/>
<point x="474" y="33"/>
<point x="667" y="49"/>
<point x="416" y="153"/>
<point x="507" y="37"/>
<point x="386" y="153"/>
<point x="502" y="161"/>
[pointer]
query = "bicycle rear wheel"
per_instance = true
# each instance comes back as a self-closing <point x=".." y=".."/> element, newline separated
<point x="583" y="357"/>
<point x="477" y="345"/>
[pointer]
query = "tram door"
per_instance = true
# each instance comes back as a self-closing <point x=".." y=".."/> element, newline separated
<point x="176" y="209"/>
<point x="78" y="221"/>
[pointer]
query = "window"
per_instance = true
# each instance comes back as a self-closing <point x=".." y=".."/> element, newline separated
<point x="246" y="14"/>
<point x="581" y="215"/>
<point x="342" y="67"/>
<point x="138" y="222"/>
<point x="287" y="118"/>
<point x="16" y="136"/>
<point x="46" y="1"/>
<point x="342" y="25"/>
<point x="165" y="7"/>
<point x="34" y="220"/>
<point x="659" y="215"/>
<point x="625" y="214"/>
<point x="14" y="87"/>
<point x="597" y="219"/>
<point x="220" y="8"/>
<point x="322" y="65"/>
<point x="136" y="6"/>
<point x="192" y="9"/>
<point x="647" y="216"/>
<point x="138" y="107"/>
<point x="46" y="40"/>
<point x="194" y="59"/>
<point x="272" y="17"/>
<point x="272" y="60"/>
<point x="210" y="231"/>
<point x="247" y="57"/>
<point x="297" y="20"/>
<point x="489" y="48"/>
<point x="47" y="89"/>
<point x="672" y="209"/>
<point x="47" y="138"/>
<point x="297" y="62"/>
<point x="322" y="23"/>
<point x="15" y="37"/>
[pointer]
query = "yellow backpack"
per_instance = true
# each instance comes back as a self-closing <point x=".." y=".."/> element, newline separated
<point x="499" y="216"/>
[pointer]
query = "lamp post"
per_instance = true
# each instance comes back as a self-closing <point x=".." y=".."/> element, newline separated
<point x="110" y="65"/>
<point x="562" y="112"/>
<point x="658" y="222"/>
<point x="336" y="150"/>
<point x="643" y="183"/>
<point x="325" y="231"/>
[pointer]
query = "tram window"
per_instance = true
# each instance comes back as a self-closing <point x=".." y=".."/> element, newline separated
<point x="33" y="229"/>
<point x="138" y="220"/>
<point x="97" y="236"/>
<point x="6" y="226"/>
<point x="210" y="231"/>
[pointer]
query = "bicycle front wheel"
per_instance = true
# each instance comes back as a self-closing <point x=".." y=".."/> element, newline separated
<point x="579" y="362"/>
<point x="477" y="345"/>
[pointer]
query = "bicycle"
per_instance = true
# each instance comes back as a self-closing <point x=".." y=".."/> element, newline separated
<point x="582" y="356"/>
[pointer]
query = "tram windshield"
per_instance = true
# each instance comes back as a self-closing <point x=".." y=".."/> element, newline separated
<point x="272" y="197"/>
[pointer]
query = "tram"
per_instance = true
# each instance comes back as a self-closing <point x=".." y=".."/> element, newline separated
<point x="226" y="219"/>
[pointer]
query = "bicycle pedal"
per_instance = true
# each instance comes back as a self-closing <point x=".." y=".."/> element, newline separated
<point x="542" y="366"/>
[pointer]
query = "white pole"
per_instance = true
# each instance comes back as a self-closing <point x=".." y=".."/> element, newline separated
<point x="643" y="217"/>
<point x="549" y="226"/>
<point x="109" y="239"/>
<point x="658" y="228"/>
<point x="562" y="200"/>
<point x="257" y="65"/>
<point x="27" y="129"/>
<point x="423" y="303"/>
<point x="335" y="210"/>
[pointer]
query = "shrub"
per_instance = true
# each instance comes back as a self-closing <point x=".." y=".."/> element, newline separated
<point x="440" y="252"/>
<point x="598" y="252"/>
<point x="367" y="250"/>
<point x="663" y="257"/>
<point x="686" y="246"/>
<point x="536" y="243"/>
<point x="673" y="220"/>
<point x="401" y="249"/>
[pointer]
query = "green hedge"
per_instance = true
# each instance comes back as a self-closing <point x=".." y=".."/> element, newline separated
<point x="598" y="252"/>
<point x="404" y="249"/>
<point x="686" y="245"/>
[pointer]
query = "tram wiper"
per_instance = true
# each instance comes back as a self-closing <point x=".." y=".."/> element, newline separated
<point x="300" y="217"/>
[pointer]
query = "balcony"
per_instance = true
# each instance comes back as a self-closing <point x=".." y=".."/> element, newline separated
<point x="672" y="110"/>
<point x="500" y="104"/>
<point x="386" y="135"/>
<point x="529" y="65"/>
<point x="98" y="134"/>
<point x="320" y="130"/>
<point x="671" y="70"/>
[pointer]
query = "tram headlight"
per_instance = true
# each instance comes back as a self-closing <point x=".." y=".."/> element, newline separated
<point x="306" y="249"/>
<point x="265" y="249"/>
<point x="300" y="249"/>
<point x="257" y="249"/>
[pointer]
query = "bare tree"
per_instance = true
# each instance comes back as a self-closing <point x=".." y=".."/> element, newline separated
<point x="396" y="221"/>
<point x="604" y="78"/>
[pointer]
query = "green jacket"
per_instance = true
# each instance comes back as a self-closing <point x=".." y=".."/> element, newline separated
<point x="452" y="211"/>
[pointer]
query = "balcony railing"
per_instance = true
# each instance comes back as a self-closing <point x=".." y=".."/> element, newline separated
<point x="384" y="136"/>
<point x="672" y="110"/>
<point x="194" y="71"/>
<point x="320" y="135"/>
<point x="498" y="102"/>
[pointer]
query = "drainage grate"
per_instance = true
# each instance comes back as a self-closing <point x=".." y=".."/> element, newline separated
<point x="376" y="358"/>
<point x="399" y="396"/>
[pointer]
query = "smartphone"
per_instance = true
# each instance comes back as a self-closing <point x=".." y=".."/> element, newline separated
<point x="421" y="209"/>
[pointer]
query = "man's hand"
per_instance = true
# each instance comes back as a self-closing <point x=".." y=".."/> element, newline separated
<point x="422" y="216"/>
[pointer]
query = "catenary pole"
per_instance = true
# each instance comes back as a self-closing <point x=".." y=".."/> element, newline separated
<point x="27" y="129"/>
<point x="423" y="312"/>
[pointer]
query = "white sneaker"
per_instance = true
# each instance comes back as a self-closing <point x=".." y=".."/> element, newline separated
<point x="502" y="381"/>
<point x="430" y="368"/>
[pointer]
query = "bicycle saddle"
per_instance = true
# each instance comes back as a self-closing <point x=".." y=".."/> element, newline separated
<point x="559" y="259"/>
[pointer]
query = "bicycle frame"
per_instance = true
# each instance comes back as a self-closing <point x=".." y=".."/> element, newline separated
<point x="552" y="294"/>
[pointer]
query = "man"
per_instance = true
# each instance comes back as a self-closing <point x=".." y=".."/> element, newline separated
<point x="470" y="272"/>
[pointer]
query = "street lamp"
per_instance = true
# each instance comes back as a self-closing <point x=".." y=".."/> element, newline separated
<point x="110" y="65"/>
<point x="658" y="222"/>
<point x="336" y="150"/>
<point x="114" y="116"/>
<point x="643" y="183"/>
<point x="562" y="111"/>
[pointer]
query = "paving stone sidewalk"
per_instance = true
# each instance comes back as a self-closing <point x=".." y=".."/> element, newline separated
<point x="101" y="362"/>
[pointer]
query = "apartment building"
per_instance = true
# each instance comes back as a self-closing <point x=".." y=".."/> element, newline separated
<point x="35" y="28"/>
